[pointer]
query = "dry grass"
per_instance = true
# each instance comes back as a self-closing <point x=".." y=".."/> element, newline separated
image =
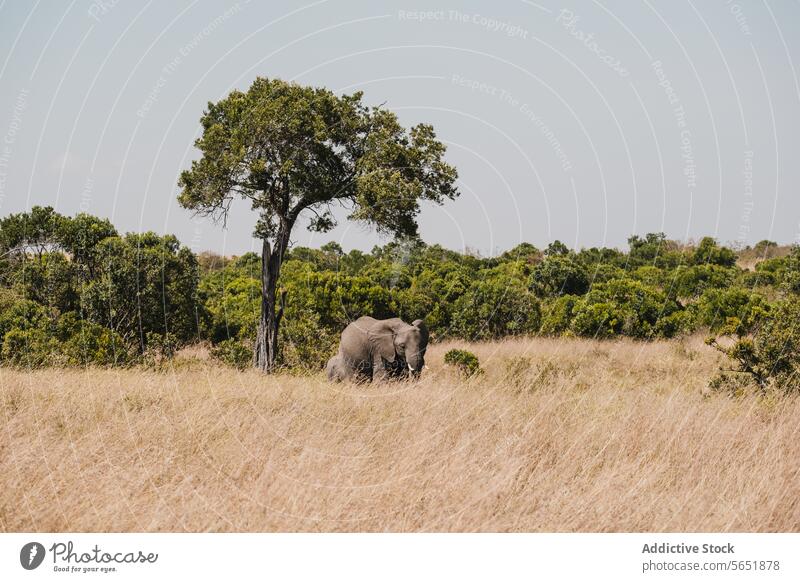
<point x="555" y="436"/>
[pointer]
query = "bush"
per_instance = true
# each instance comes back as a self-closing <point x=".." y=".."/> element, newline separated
<point x="160" y="348"/>
<point x="233" y="353"/>
<point x="791" y="275"/>
<point x="708" y="252"/>
<point x="84" y="343"/>
<point x="496" y="305"/>
<point x="558" y="315"/>
<point x="771" y="357"/>
<point x="26" y="333"/>
<point x="144" y="283"/>
<point x="692" y="281"/>
<point x="624" y="307"/>
<point x="465" y="362"/>
<point x="29" y="348"/>
<point x="598" y="320"/>
<point x="304" y="344"/>
<point x="559" y="275"/>
<point x="734" y="311"/>
<point x="677" y="323"/>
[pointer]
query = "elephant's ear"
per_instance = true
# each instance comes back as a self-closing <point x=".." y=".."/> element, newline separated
<point x="381" y="338"/>
<point x="420" y="325"/>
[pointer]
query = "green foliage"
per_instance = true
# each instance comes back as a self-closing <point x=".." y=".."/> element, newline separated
<point x="28" y="348"/>
<point x="731" y="311"/>
<point x="556" y="249"/>
<point x="287" y="148"/>
<point x="81" y="236"/>
<point x="464" y="361"/>
<point x="49" y="279"/>
<point x="524" y="252"/>
<point x="558" y="315"/>
<point x="709" y="252"/>
<point x="144" y="283"/>
<point x="231" y="297"/>
<point x="559" y="274"/>
<point x="791" y="273"/>
<point x="497" y="304"/>
<point x="623" y="307"/>
<point x="233" y="352"/>
<point x="75" y="293"/>
<point x="771" y="356"/>
<point x="733" y="384"/>
<point x="691" y="281"/>
<point x="161" y="348"/>
<point x="654" y="249"/>
<point x="30" y="232"/>
<point x="83" y="343"/>
<point x="34" y="336"/>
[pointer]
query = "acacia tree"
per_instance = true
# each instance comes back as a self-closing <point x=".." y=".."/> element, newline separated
<point x="292" y="150"/>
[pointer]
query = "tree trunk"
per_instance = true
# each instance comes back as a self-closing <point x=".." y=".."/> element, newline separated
<point x="265" y="351"/>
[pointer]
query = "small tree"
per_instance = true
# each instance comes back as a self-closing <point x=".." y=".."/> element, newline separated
<point x="292" y="150"/>
<point x="770" y="357"/>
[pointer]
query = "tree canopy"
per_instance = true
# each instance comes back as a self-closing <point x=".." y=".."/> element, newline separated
<point x="287" y="149"/>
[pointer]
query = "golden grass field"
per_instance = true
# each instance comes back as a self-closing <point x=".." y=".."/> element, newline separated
<point x="581" y="436"/>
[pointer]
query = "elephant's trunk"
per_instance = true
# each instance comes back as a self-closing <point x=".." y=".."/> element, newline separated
<point x="415" y="365"/>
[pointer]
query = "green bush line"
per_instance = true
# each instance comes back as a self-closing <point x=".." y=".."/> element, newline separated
<point x="74" y="291"/>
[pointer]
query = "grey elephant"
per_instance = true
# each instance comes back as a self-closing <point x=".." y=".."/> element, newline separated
<point x="383" y="349"/>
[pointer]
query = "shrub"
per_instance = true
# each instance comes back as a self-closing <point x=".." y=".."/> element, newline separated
<point x="791" y="275"/>
<point x="558" y="315"/>
<point x="304" y="344"/>
<point x="605" y="272"/>
<point x="465" y="362"/>
<point x="691" y="281"/>
<point x="676" y="323"/>
<point x="160" y="348"/>
<point x="771" y="357"/>
<point x="596" y="319"/>
<point x="623" y="307"/>
<point x="709" y="252"/>
<point x="736" y="310"/>
<point x="496" y="305"/>
<point x="233" y="353"/>
<point x="559" y="275"/>
<point x="29" y="348"/>
<point x="84" y="343"/>
<point x="25" y="333"/>
<point x="144" y="282"/>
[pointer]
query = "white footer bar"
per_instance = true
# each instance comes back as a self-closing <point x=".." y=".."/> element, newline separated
<point x="402" y="557"/>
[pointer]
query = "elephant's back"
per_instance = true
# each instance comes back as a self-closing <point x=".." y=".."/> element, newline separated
<point x="360" y="326"/>
<point x="354" y="343"/>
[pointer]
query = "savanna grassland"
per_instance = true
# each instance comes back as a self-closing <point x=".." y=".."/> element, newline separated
<point x="556" y="435"/>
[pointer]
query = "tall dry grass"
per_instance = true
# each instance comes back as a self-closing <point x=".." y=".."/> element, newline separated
<point x="557" y="435"/>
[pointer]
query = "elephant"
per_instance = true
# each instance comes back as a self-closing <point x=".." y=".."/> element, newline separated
<point x="382" y="349"/>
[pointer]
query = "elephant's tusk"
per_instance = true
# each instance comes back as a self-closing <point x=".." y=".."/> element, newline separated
<point x="410" y="368"/>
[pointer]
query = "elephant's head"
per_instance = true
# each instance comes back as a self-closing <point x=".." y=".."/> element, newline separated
<point x="394" y="338"/>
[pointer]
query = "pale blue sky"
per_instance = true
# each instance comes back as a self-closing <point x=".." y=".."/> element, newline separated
<point x="554" y="135"/>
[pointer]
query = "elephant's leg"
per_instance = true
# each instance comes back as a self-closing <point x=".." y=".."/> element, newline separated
<point x="332" y="369"/>
<point x="385" y="370"/>
<point x="361" y="372"/>
<point x="399" y="369"/>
